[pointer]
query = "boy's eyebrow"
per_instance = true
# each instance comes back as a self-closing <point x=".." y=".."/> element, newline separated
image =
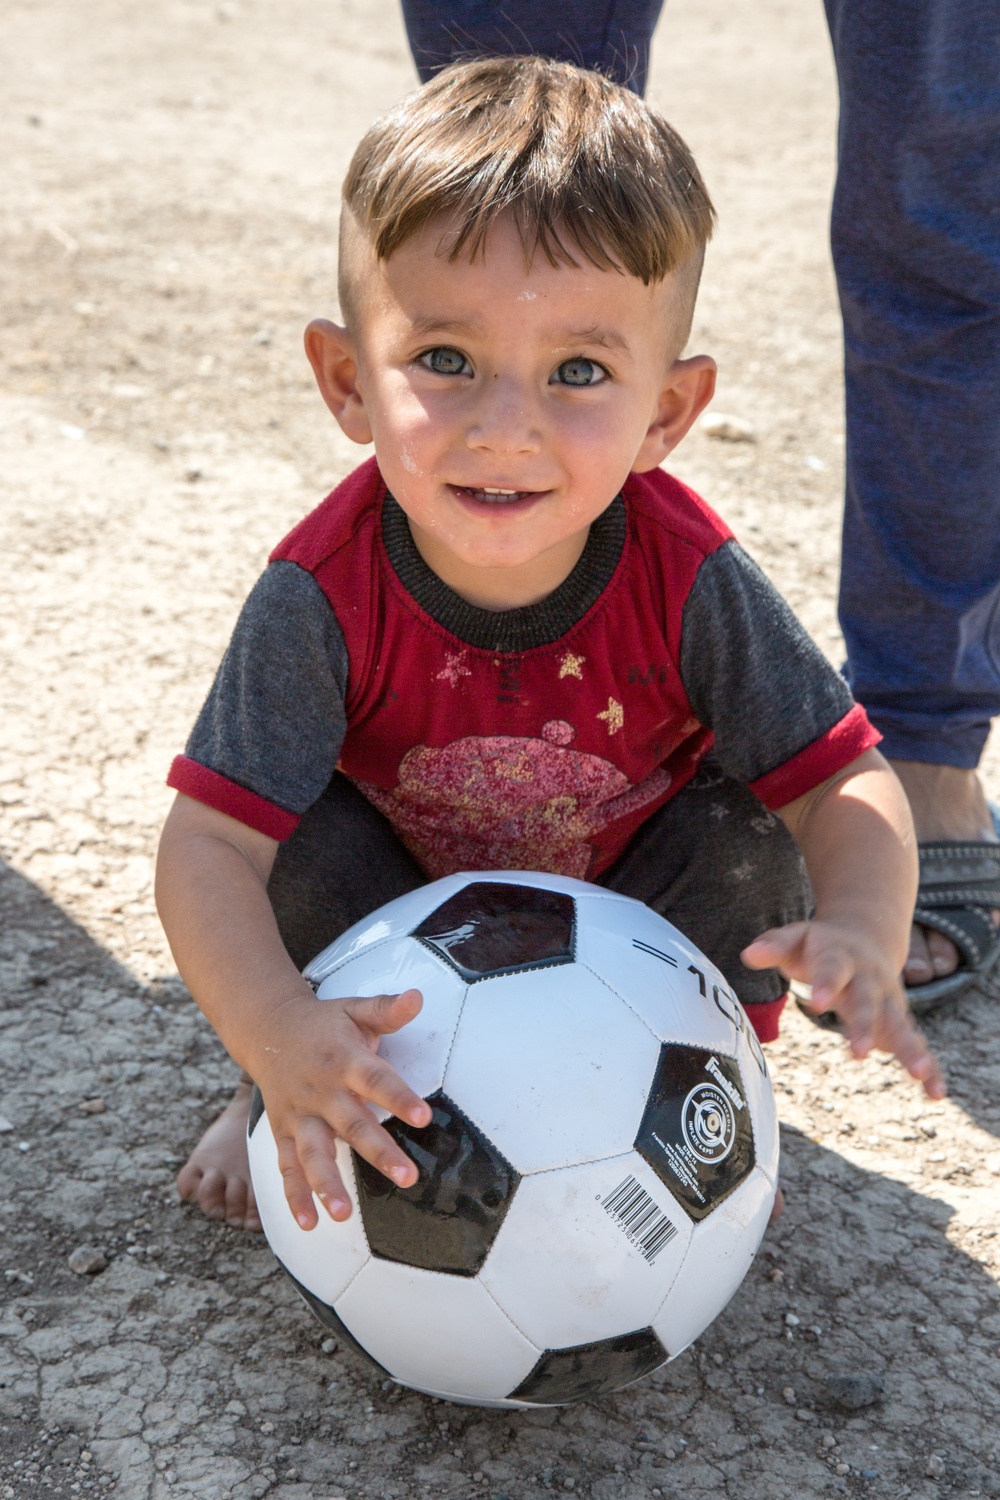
<point x="605" y="338"/>
<point x="431" y="323"/>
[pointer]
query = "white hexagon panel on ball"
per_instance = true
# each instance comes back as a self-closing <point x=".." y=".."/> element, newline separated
<point x="721" y="1253"/>
<point x="587" y="1252"/>
<point x="439" y="1333"/>
<point x="555" y="1071"/>
<point x="655" y="970"/>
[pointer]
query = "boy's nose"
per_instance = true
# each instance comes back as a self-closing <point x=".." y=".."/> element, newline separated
<point x="505" y="420"/>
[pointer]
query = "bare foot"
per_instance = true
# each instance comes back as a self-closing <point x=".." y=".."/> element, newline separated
<point x="947" y="803"/>
<point x="216" y="1175"/>
<point x="778" y="1206"/>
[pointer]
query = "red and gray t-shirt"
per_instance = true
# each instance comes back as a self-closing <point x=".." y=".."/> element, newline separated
<point x="533" y="738"/>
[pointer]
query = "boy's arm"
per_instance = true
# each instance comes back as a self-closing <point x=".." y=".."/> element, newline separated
<point x="315" y="1062"/>
<point x="856" y="834"/>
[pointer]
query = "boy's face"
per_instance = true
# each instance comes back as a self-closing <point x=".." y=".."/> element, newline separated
<point x="507" y="403"/>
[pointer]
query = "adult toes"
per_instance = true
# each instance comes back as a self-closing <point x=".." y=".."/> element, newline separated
<point x="943" y="954"/>
<point x="918" y="968"/>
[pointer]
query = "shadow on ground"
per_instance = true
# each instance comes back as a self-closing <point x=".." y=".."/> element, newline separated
<point x="187" y="1366"/>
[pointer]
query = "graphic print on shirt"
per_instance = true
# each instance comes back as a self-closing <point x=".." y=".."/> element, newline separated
<point x="509" y="802"/>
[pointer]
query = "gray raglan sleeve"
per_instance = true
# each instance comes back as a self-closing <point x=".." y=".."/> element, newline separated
<point x="274" y="720"/>
<point x="751" y="672"/>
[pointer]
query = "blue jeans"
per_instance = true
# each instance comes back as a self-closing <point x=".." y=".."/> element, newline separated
<point x="916" y="247"/>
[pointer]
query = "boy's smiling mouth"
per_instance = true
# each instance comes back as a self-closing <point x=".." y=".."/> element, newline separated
<point x="488" y="495"/>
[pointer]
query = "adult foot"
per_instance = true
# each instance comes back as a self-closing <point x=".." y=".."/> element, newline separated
<point x="947" y="803"/>
<point x="216" y="1175"/>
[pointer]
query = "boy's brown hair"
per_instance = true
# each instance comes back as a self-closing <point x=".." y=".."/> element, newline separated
<point x="583" y="165"/>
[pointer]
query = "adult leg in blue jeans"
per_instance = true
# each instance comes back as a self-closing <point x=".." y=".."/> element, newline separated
<point x="916" y="244"/>
<point x="612" y="36"/>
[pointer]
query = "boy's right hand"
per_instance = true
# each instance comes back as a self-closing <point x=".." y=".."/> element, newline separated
<point x="317" y="1068"/>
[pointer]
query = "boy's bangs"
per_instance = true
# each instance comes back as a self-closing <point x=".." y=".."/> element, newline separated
<point x="584" y="167"/>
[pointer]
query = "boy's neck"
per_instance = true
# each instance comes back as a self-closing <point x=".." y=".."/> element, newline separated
<point x="501" y="588"/>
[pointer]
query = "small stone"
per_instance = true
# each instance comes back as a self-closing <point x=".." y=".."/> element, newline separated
<point x="670" y="1453"/>
<point x="87" y="1260"/>
<point x="855" y="1392"/>
<point x="828" y="1440"/>
<point x="86" y="1456"/>
<point x="869" y="1473"/>
<point x="934" y="1468"/>
<point x="728" y="429"/>
<point x="788" y="1394"/>
<point x="791" y="1321"/>
<point x="236" y="1409"/>
<point x="802" y="1415"/>
<point x="92" y="1106"/>
<point x="329" y="1346"/>
<point x="776" y="1274"/>
<point x="841" y="1468"/>
<point x="267" y="1427"/>
<point x="5" y="1126"/>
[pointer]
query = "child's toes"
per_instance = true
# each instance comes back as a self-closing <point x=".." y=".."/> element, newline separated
<point x="188" y="1180"/>
<point x="211" y="1196"/>
<point x="241" y="1210"/>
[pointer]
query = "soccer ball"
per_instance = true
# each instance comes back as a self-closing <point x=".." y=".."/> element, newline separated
<point x="601" y="1161"/>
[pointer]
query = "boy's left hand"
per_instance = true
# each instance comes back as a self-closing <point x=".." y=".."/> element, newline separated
<point x="851" y="975"/>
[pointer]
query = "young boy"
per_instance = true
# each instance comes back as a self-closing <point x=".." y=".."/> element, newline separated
<point x="510" y="640"/>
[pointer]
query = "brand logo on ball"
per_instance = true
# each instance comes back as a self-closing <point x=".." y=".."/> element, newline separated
<point x="709" y="1123"/>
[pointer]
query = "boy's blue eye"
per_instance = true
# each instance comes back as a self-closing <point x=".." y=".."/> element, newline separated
<point x="579" y="372"/>
<point x="445" y="361"/>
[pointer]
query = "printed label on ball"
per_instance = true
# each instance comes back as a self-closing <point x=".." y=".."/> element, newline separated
<point x="642" y="1219"/>
<point x="709" y="1123"/>
<point x="696" y="1132"/>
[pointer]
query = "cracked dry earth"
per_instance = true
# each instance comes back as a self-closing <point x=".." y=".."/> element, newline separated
<point x="167" y="228"/>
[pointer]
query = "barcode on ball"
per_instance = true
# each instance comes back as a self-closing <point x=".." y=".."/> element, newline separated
<point x="646" y="1225"/>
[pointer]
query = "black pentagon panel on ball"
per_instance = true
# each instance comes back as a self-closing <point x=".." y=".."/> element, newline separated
<point x="696" y="1133"/>
<point x="450" y="1217"/>
<point x="588" y="1371"/>
<point x="256" y="1110"/>
<point x="330" y="1320"/>
<point x="491" y="928"/>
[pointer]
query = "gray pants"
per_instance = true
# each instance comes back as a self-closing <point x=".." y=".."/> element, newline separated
<point x="713" y="861"/>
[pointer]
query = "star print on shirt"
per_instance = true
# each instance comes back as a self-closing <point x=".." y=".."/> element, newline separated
<point x="569" y="665"/>
<point x="454" y="668"/>
<point x="613" y="716"/>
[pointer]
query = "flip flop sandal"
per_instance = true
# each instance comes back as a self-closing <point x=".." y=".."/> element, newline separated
<point x="959" y="885"/>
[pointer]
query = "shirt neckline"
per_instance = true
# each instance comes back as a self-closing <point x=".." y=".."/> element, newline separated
<point x="507" y="630"/>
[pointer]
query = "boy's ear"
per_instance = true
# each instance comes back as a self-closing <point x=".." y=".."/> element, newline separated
<point x="331" y="352"/>
<point x="687" y="390"/>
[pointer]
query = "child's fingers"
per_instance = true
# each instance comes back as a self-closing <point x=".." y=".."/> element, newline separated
<point x="778" y="948"/>
<point x="859" y="1009"/>
<point x="830" y="971"/>
<point x="372" y="1078"/>
<point x="307" y="1162"/>
<point x="901" y="1035"/>
<point x="385" y="1013"/>
<point x="359" y="1128"/>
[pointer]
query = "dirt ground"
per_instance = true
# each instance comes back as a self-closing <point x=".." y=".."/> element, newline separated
<point x="167" y="227"/>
